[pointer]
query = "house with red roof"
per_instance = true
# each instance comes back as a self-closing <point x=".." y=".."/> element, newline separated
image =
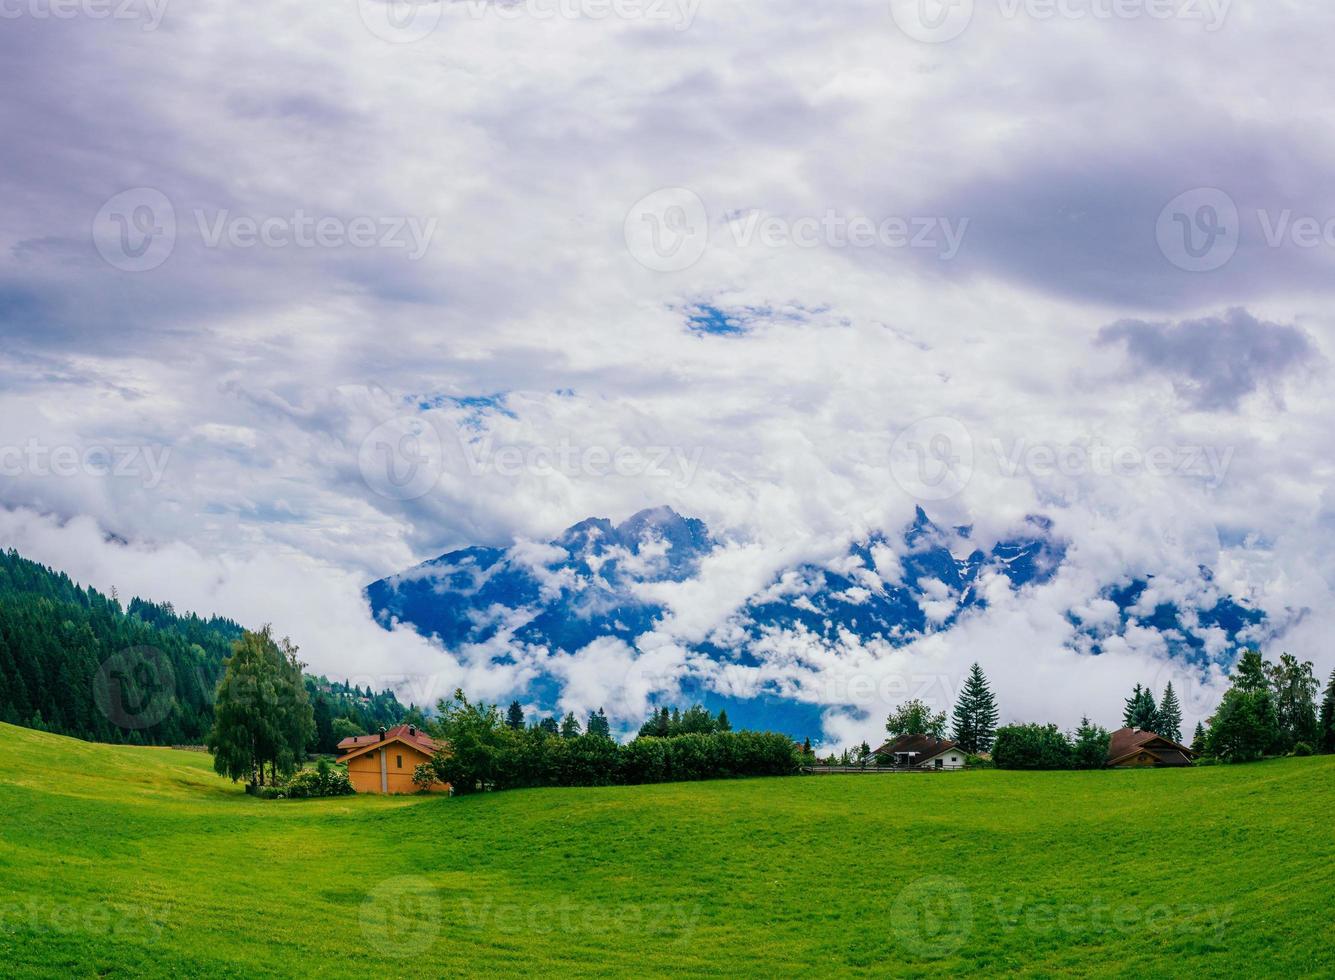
<point x="921" y="752"/>
<point x="383" y="762"/>
<point x="1131" y="747"/>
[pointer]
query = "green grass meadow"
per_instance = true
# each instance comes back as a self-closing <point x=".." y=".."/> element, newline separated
<point x="120" y="861"/>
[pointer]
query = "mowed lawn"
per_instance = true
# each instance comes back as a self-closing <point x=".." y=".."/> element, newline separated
<point x="133" y="861"/>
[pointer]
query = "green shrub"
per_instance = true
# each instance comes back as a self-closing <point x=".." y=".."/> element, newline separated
<point x="423" y="777"/>
<point x="1032" y="747"/>
<point x="1302" y="748"/>
<point x="486" y="753"/>
<point x="644" y="760"/>
<point x="323" y="780"/>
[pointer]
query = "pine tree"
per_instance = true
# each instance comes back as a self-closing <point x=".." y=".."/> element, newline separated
<point x="1090" y="749"/>
<point x="1141" y="711"/>
<point x="1250" y="675"/>
<point x="514" y="717"/>
<point x="1327" y="724"/>
<point x="1168" y="718"/>
<point x="1132" y="707"/>
<point x="1198" y="740"/>
<point x="726" y="726"/>
<point x="975" y="715"/>
<point x="324" y="726"/>
<point x="598" y="724"/>
<point x="570" y="727"/>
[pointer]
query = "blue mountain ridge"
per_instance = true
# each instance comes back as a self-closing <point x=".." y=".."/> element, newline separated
<point x="580" y="587"/>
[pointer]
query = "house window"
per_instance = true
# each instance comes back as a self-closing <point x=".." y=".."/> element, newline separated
<point x="398" y="761"/>
<point x="940" y="763"/>
<point x="953" y="759"/>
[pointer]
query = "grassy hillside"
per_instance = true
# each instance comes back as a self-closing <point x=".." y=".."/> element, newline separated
<point x="139" y="861"/>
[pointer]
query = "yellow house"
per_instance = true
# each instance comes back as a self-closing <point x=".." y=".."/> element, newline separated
<point x="383" y="762"/>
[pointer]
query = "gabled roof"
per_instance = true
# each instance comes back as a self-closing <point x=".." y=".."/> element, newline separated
<point x="922" y="746"/>
<point x="406" y="734"/>
<point x="1128" y="741"/>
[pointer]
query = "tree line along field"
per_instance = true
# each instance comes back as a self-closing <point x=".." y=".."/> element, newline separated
<point x="131" y="861"/>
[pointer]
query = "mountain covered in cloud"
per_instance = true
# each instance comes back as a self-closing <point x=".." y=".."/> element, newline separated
<point x="534" y="604"/>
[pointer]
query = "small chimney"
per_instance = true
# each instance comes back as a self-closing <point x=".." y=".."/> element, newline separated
<point x="412" y="729"/>
<point x="382" y="733"/>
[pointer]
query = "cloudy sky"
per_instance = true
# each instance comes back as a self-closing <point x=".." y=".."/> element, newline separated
<point x="772" y="264"/>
